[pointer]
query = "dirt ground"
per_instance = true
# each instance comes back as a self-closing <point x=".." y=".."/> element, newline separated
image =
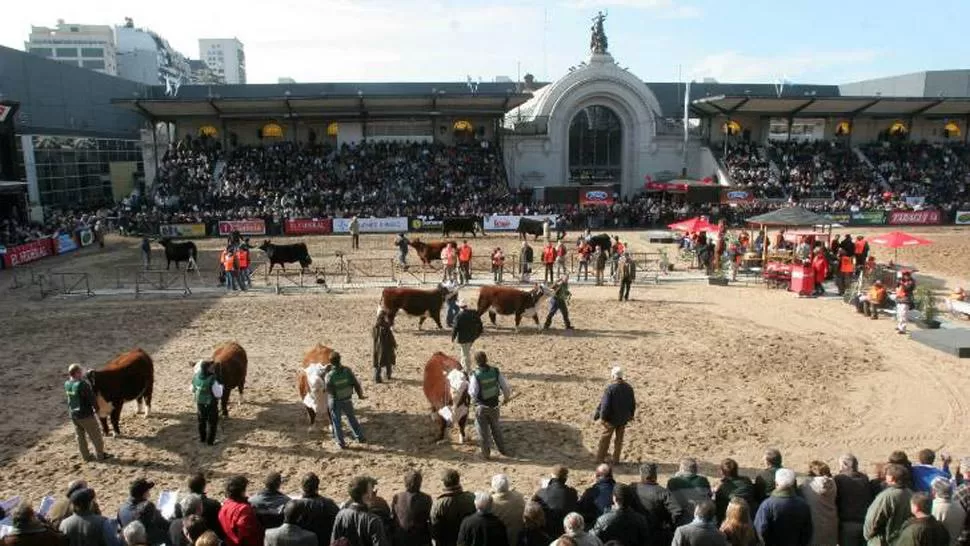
<point x="718" y="372"/>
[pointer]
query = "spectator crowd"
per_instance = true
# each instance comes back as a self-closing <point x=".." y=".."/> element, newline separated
<point x="903" y="503"/>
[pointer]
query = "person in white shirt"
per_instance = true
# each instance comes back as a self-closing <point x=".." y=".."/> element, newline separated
<point x="208" y="391"/>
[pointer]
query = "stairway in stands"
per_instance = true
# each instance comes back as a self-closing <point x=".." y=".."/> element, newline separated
<point x="872" y="168"/>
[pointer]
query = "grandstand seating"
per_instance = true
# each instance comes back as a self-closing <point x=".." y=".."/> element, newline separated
<point x="940" y="173"/>
<point x="748" y="168"/>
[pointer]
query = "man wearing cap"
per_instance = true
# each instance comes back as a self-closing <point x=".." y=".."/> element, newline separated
<point x="81" y="402"/>
<point x="84" y="527"/>
<point x="341" y="384"/>
<point x="139" y="508"/>
<point x="468" y="327"/>
<point x="208" y="392"/>
<point x="484" y="387"/>
<point x="615" y="410"/>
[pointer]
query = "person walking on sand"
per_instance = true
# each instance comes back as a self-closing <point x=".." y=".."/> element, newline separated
<point x="81" y="403"/>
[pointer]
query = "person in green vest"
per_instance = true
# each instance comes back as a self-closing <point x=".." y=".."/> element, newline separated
<point x="485" y="386"/>
<point x="341" y="384"/>
<point x="81" y="403"/>
<point x="208" y="392"/>
<point x="559" y="303"/>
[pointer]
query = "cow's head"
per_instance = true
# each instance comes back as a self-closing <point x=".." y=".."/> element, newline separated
<point x="541" y="291"/>
<point x="102" y="406"/>
<point x="164" y="241"/>
<point x="416" y="242"/>
<point x="266" y="244"/>
<point x="448" y="290"/>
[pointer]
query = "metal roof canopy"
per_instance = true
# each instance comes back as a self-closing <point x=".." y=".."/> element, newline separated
<point x="832" y="106"/>
<point x="325" y="106"/>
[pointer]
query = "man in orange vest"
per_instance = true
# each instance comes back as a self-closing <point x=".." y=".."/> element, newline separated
<point x="820" y="266"/>
<point x="861" y="252"/>
<point x="243" y="256"/>
<point x="229" y="268"/>
<point x="465" y="262"/>
<point x="874" y="300"/>
<point x="846" y="270"/>
<point x="548" y="259"/>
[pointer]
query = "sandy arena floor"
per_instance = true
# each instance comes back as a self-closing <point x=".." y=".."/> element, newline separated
<point x="718" y="372"/>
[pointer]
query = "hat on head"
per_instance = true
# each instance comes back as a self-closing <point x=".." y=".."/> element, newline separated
<point x="139" y="487"/>
<point x="82" y="496"/>
<point x="73" y="368"/>
<point x="616" y="372"/>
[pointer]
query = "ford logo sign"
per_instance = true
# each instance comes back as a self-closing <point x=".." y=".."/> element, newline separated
<point x="737" y="195"/>
<point x="596" y="195"/>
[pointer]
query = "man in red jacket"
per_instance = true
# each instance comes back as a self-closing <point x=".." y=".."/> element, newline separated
<point x="820" y="266"/>
<point x="548" y="259"/>
<point x="237" y="517"/>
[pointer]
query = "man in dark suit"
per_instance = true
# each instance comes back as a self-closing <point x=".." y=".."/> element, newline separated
<point x="615" y="410"/>
<point x="319" y="512"/>
<point x="290" y="534"/>
<point x="557" y="499"/>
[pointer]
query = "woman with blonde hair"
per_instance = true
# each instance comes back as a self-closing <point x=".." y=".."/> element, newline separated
<point x="208" y="538"/>
<point x="737" y="525"/>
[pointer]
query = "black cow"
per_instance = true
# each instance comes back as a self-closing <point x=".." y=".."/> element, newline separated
<point x="286" y="254"/>
<point x="180" y="252"/>
<point x="464" y="224"/>
<point x="602" y="240"/>
<point x="528" y="226"/>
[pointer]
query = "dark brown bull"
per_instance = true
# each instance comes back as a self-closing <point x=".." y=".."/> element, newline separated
<point x="430" y="251"/>
<point x="229" y="365"/>
<point x="440" y="395"/>
<point x="415" y="302"/>
<point x="130" y="376"/>
<point x="319" y="354"/>
<point x="504" y="300"/>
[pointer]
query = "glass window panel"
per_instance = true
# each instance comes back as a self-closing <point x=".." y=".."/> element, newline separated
<point x="66" y="52"/>
<point x="92" y="52"/>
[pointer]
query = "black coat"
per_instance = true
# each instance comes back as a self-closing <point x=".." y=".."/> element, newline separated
<point x="468" y="326"/>
<point x="319" y="514"/>
<point x="557" y="499"/>
<point x="481" y="529"/>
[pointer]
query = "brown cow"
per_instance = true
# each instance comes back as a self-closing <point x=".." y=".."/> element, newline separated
<point x="446" y="386"/>
<point x="230" y="364"/>
<point x="319" y="354"/>
<point x="504" y="300"/>
<point x="429" y="251"/>
<point x="416" y="302"/>
<point x="130" y="376"/>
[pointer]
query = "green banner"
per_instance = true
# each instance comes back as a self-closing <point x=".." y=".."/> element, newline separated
<point x="843" y="218"/>
<point x="868" y="218"/>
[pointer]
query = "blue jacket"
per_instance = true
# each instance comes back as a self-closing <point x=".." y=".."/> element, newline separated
<point x="924" y="474"/>
<point x="617" y="405"/>
<point x="784" y="519"/>
<point x="597" y="499"/>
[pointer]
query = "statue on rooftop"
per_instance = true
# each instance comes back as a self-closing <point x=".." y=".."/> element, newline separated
<point x="597" y="42"/>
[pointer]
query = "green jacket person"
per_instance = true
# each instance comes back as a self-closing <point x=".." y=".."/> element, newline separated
<point x="82" y="405"/>
<point x="485" y="386"/>
<point x="341" y="384"/>
<point x="208" y="392"/>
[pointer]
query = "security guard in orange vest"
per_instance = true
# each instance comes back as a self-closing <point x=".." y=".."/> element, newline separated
<point x="846" y="271"/>
<point x="230" y="269"/>
<point x="242" y="255"/>
<point x="861" y="252"/>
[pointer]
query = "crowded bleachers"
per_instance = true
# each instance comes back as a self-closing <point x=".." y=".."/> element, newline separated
<point x="825" y="170"/>
<point x="748" y="168"/>
<point x="937" y="172"/>
<point x="831" y="504"/>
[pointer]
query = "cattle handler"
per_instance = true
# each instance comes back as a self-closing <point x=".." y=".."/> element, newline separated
<point x="485" y="386"/>
<point x="559" y="303"/>
<point x="340" y="384"/>
<point x="385" y="346"/>
<point x="208" y="392"/>
<point x="81" y="403"/>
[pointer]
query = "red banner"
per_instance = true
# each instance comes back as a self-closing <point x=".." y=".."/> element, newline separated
<point x="244" y="227"/>
<point x="668" y="187"/>
<point x="308" y="226"/>
<point x="29" y="252"/>
<point x="914" y="217"/>
<point x="603" y="197"/>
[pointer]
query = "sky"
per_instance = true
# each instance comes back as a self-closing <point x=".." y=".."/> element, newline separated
<point x="762" y="41"/>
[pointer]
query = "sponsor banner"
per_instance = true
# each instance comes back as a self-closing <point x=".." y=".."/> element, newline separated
<point x="255" y="226"/>
<point x="511" y="223"/>
<point x="914" y="217"/>
<point x="396" y="224"/>
<point x="85" y="236"/>
<point x="182" y="230"/>
<point x="308" y="226"/>
<point x="963" y="218"/>
<point x="843" y="218"/>
<point x="915" y="201"/>
<point x="669" y="187"/>
<point x="64" y="243"/>
<point x="596" y="197"/>
<point x="733" y="195"/>
<point x="29" y="252"/>
<point x="424" y="224"/>
<point x="868" y="218"/>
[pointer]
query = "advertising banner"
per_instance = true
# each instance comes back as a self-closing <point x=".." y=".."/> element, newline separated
<point x="734" y="195"/>
<point x="416" y="223"/>
<point x="915" y="217"/>
<point x="182" y="230"/>
<point x="64" y="243"/>
<point x="308" y="226"/>
<point x="372" y="225"/>
<point x="511" y="223"/>
<point x="669" y="187"/>
<point x="255" y="226"/>
<point x="596" y="197"/>
<point x="85" y="236"/>
<point x="963" y="218"/>
<point x="29" y="252"/>
<point x="843" y="218"/>
<point x="868" y="218"/>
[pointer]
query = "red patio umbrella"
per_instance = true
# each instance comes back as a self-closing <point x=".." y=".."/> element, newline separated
<point x="693" y="225"/>
<point x="899" y="239"/>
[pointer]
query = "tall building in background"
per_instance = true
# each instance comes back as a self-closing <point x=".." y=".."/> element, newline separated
<point x="86" y="46"/>
<point x="146" y="57"/>
<point x="202" y="74"/>
<point x="225" y="57"/>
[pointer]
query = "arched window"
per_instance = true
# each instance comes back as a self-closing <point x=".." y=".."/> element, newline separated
<point x="898" y="128"/>
<point x="463" y="126"/>
<point x="595" y="145"/>
<point x="951" y="130"/>
<point x="333" y="129"/>
<point x="208" y="131"/>
<point x="731" y="128"/>
<point x="843" y="128"/>
<point x="272" y="130"/>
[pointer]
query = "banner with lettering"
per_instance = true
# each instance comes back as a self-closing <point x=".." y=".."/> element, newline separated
<point x="182" y="230"/>
<point x="308" y="226"/>
<point x="64" y="243"/>
<point x="255" y="226"/>
<point x="28" y="252"/>
<point x="915" y="217"/>
<point x="372" y="225"/>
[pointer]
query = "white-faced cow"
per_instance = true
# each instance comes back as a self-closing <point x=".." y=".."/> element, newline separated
<point x="504" y="300"/>
<point x="178" y="252"/>
<point x="446" y="388"/>
<point x="416" y="302"/>
<point x="130" y="376"/>
<point x="309" y="380"/>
